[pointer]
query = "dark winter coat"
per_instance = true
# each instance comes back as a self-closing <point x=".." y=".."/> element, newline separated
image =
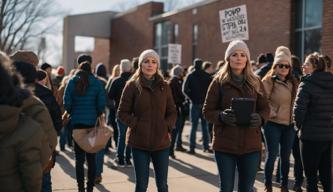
<point x="176" y="88"/>
<point x="149" y="114"/>
<point x="117" y="87"/>
<point x="196" y="85"/>
<point x="313" y="110"/>
<point x="233" y="139"/>
<point x="46" y="95"/>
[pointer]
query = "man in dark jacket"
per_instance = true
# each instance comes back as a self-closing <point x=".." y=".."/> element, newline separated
<point x="115" y="92"/>
<point x="261" y="72"/>
<point x="195" y="88"/>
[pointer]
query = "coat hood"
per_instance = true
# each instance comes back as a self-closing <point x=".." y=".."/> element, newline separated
<point x="320" y="79"/>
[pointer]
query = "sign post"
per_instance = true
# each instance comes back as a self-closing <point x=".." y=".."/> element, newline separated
<point x="234" y="24"/>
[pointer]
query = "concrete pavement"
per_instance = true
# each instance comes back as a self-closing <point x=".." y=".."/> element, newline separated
<point x="188" y="173"/>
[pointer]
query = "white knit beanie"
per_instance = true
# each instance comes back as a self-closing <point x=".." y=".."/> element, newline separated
<point x="237" y="45"/>
<point x="125" y="65"/>
<point x="282" y="53"/>
<point x="149" y="53"/>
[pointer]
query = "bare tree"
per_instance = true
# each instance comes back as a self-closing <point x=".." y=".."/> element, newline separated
<point x="23" y="20"/>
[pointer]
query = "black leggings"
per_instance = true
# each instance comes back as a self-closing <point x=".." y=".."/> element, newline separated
<point x="316" y="155"/>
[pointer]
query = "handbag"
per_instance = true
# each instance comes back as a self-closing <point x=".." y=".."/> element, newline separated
<point x="94" y="139"/>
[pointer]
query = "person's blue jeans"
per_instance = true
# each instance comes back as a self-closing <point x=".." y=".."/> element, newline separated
<point x="160" y="159"/>
<point x="99" y="162"/>
<point x="278" y="137"/>
<point x="80" y="156"/>
<point x="46" y="183"/>
<point x="122" y="147"/>
<point x="176" y="133"/>
<point x="66" y="135"/>
<point x="247" y="165"/>
<point x="196" y="113"/>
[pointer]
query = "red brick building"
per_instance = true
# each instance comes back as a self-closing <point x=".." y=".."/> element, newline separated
<point x="304" y="26"/>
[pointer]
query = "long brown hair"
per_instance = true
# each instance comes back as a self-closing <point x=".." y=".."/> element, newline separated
<point x="83" y="81"/>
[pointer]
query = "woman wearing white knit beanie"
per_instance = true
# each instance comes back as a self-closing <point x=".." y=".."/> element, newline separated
<point x="236" y="144"/>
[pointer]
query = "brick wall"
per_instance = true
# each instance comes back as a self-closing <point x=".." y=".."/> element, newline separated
<point x="267" y="29"/>
<point x="101" y="53"/>
<point x="132" y="32"/>
<point x="327" y="38"/>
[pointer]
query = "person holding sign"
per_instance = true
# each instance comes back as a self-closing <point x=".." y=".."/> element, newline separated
<point x="236" y="143"/>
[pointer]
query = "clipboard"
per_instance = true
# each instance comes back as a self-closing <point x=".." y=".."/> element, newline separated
<point x="243" y="107"/>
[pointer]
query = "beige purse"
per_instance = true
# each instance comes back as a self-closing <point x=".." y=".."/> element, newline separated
<point x="92" y="140"/>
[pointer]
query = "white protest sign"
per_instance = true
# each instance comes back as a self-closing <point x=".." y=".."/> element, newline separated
<point x="233" y="23"/>
<point x="174" y="53"/>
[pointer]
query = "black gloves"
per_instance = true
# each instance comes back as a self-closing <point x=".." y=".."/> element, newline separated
<point x="228" y="117"/>
<point x="255" y="121"/>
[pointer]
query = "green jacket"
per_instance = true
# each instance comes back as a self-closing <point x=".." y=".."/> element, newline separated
<point x="21" y="149"/>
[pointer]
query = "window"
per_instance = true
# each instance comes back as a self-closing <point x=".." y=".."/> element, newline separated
<point x="195" y="33"/>
<point x="163" y="36"/>
<point x="175" y="33"/>
<point x="308" y="26"/>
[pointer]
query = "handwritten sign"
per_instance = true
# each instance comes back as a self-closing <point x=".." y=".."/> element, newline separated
<point x="234" y="24"/>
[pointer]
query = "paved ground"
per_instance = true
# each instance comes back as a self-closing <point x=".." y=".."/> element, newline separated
<point x="189" y="173"/>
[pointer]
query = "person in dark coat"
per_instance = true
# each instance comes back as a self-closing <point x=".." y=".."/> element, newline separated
<point x="195" y="88"/>
<point x="176" y="83"/>
<point x="261" y="72"/>
<point x="313" y="114"/>
<point x="114" y="93"/>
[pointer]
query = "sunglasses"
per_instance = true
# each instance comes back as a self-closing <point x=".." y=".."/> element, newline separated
<point x="283" y="65"/>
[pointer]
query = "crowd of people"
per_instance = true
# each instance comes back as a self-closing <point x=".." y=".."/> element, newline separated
<point x="290" y="112"/>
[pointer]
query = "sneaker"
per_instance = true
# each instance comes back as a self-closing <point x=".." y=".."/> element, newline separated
<point x="284" y="189"/>
<point x="297" y="188"/>
<point x="208" y="151"/>
<point x="268" y="189"/>
<point x="191" y="151"/>
<point x="172" y="155"/>
<point x="181" y="149"/>
<point x="128" y="163"/>
<point x="119" y="163"/>
<point x="98" y="179"/>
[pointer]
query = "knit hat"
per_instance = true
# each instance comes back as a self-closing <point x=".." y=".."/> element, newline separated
<point x="282" y="53"/>
<point x="25" y="56"/>
<point x="125" y="65"/>
<point x="60" y="71"/>
<point x="41" y="75"/>
<point x="270" y="57"/>
<point x="27" y="71"/>
<point x="237" y="45"/>
<point x="84" y="57"/>
<point x="44" y="66"/>
<point x="149" y="53"/>
<point x="261" y="58"/>
<point x="177" y="71"/>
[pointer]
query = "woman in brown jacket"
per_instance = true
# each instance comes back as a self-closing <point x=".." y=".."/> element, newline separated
<point x="280" y="86"/>
<point x="234" y="144"/>
<point x="148" y="109"/>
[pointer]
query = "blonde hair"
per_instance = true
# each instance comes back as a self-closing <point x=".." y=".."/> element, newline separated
<point x="224" y="75"/>
<point x="115" y="71"/>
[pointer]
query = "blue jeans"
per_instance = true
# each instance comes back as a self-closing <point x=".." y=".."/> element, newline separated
<point x="160" y="159"/>
<point x="196" y="113"/>
<point x="46" y="183"/>
<point x="66" y="135"/>
<point x="278" y="137"/>
<point x="177" y="132"/>
<point x="99" y="162"/>
<point x="80" y="156"/>
<point x="247" y="165"/>
<point x="122" y="128"/>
